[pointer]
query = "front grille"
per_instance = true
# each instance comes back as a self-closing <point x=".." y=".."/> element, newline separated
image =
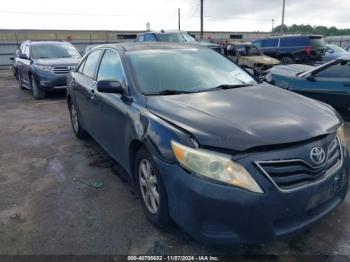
<point x="61" y="70"/>
<point x="295" y="173"/>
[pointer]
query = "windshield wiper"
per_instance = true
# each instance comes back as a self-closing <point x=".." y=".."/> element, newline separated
<point x="226" y="86"/>
<point x="168" y="92"/>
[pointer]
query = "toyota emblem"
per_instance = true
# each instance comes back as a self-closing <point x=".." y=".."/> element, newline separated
<point x="317" y="155"/>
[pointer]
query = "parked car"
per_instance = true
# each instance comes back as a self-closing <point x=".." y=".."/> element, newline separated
<point x="329" y="83"/>
<point x="14" y="65"/>
<point x="88" y="48"/>
<point x="176" y="37"/>
<point x="334" y="52"/>
<point x="290" y="49"/>
<point x="44" y="65"/>
<point x="249" y="56"/>
<point x="228" y="158"/>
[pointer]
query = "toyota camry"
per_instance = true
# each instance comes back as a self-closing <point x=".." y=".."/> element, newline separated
<point x="230" y="159"/>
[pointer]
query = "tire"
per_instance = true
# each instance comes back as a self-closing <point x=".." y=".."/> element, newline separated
<point x="158" y="212"/>
<point x="286" y="60"/>
<point x="19" y="78"/>
<point x="74" y="119"/>
<point x="37" y="92"/>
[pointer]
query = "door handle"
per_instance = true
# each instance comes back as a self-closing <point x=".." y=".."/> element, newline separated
<point x="92" y="93"/>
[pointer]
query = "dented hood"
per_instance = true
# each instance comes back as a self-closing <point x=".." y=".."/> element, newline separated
<point x="248" y="117"/>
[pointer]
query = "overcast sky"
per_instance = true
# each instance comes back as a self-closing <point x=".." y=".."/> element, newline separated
<point x="220" y="15"/>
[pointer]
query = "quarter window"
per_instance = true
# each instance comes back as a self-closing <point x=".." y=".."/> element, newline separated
<point x="111" y="67"/>
<point x="91" y="64"/>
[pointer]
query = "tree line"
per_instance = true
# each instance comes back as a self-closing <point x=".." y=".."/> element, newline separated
<point x="308" y="29"/>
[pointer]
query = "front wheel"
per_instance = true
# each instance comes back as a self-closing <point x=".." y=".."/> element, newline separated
<point x="37" y="92"/>
<point x="286" y="60"/>
<point x="151" y="190"/>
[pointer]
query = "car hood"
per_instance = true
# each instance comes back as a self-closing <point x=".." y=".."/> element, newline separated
<point x="244" y="118"/>
<point x="208" y="44"/>
<point x="262" y="59"/>
<point x="290" y="70"/>
<point x="58" y="61"/>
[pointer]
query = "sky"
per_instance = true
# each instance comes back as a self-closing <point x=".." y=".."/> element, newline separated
<point x="219" y="15"/>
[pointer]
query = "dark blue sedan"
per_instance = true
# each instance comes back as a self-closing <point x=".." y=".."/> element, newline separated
<point x="229" y="159"/>
<point x="329" y="83"/>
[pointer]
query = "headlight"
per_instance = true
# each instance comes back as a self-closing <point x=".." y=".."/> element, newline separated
<point x="214" y="165"/>
<point x="341" y="135"/>
<point x="268" y="77"/>
<point x="43" y="68"/>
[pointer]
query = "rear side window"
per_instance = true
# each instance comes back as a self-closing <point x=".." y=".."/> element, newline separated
<point x="111" y="67"/>
<point x="273" y="42"/>
<point x="91" y="64"/>
<point x="294" y="41"/>
<point x="317" y="41"/>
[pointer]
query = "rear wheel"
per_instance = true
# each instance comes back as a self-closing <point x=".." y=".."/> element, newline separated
<point x="37" y="92"/>
<point x="151" y="189"/>
<point x="20" y="83"/>
<point x="287" y="60"/>
<point x="78" y="130"/>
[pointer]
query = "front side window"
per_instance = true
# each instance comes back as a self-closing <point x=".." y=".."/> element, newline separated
<point x="258" y="43"/>
<point x="91" y="64"/>
<point x="186" y="70"/>
<point x="54" y="50"/>
<point x="339" y="70"/>
<point x="111" y="67"/>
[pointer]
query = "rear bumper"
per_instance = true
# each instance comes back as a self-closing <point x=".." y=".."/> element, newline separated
<point x="220" y="214"/>
<point x="47" y="80"/>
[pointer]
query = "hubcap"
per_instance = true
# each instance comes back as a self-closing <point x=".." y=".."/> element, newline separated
<point x="149" y="186"/>
<point x="74" y="116"/>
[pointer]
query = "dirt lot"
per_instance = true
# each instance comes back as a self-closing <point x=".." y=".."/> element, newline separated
<point x="46" y="206"/>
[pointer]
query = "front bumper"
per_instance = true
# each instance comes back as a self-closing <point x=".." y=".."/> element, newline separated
<point x="221" y="214"/>
<point x="47" y="80"/>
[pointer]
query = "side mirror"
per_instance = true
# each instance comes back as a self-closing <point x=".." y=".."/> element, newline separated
<point x="23" y="56"/>
<point x="12" y="58"/>
<point x="310" y="77"/>
<point x="109" y="86"/>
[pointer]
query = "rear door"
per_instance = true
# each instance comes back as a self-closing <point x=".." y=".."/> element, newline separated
<point x="270" y="47"/>
<point x="24" y="65"/>
<point x="84" y="84"/>
<point x="109" y="112"/>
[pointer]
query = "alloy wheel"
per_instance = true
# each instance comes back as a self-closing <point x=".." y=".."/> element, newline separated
<point x="149" y="186"/>
<point x="74" y="117"/>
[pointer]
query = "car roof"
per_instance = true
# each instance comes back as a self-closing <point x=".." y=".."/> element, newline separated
<point x="295" y="35"/>
<point x="44" y="42"/>
<point x="139" y="46"/>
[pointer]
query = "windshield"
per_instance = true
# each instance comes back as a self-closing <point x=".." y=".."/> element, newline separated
<point x="187" y="37"/>
<point x="189" y="70"/>
<point x="56" y="50"/>
<point x="336" y="48"/>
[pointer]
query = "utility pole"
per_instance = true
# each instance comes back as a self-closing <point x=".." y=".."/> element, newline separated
<point x="201" y="19"/>
<point x="179" y="18"/>
<point x="273" y="25"/>
<point x="283" y="8"/>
